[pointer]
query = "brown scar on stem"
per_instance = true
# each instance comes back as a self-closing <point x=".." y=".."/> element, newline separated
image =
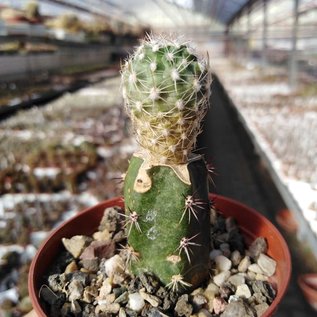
<point x="173" y="258"/>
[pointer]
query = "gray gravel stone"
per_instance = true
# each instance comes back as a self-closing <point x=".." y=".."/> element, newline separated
<point x="238" y="309"/>
<point x="66" y="310"/>
<point x="265" y="289"/>
<point x="258" y="246"/>
<point x="57" y="282"/>
<point x="199" y="301"/>
<point x="110" y="220"/>
<point x="54" y="299"/>
<point x="75" y="290"/>
<point x="149" y="282"/>
<point x="90" y="293"/>
<point x="214" y="253"/>
<point x="89" y="311"/>
<point x="123" y="298"/>
<point x="153" y="300"/>
<point x="92" y="265"/>
<point x="226" y="290"/>
<point x="111" y="308"/>
<point x="183" y="308"/>
<point x="261" y="308"/>
<point x="75" y="308"/>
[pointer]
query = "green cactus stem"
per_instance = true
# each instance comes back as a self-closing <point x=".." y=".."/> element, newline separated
<point x="166" y="91"/>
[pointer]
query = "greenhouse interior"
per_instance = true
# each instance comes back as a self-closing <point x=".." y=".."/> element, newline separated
<point x="158" y="158"/>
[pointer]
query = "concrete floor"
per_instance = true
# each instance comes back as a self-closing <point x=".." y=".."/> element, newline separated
<point x="239" y="174"/>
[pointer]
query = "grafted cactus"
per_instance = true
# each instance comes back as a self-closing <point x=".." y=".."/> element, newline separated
<point x="166" y="91"/>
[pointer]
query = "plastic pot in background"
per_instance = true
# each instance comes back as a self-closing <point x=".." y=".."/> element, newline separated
<point x="252" y="225"/>
<point x="287" y="221"/>
<point x="308" y="285"/>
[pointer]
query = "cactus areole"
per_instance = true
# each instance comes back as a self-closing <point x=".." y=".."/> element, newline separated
<point x="166" y="88"/>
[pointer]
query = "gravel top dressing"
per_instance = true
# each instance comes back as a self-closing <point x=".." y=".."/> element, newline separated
<point x="92" y="277"/>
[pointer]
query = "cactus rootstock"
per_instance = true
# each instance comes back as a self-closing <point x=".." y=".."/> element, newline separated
<point x="166" y="88"/>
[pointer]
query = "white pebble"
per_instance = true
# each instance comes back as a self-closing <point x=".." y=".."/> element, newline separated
<point x="243" y="291"/>
<point x="76" y="244"/>
<point x="10" y="295"/>
<point x="122" y="312"/>
<point x="267" y="264"/>
<point x="223" y="263"/>
<point x="233" y="298"/>
<point x="211" y="291"/>
<point x="255" y="268"/>
<point x="153" y="300"/>
<point x="261" y="277"/>
<point x="220" y="278"/>
<point x="237" y="279"/>
<point x="244" y="264"/>
<point x="114" y="265"/>
<point x="136" y="302"/>
<point x="105" y="289"/>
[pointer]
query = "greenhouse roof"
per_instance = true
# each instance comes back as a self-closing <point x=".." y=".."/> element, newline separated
<point x="163" y="13"/>
<point x="223" y="10"/>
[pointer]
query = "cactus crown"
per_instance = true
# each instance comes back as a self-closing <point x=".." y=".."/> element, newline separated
<point x="166" y="88"/>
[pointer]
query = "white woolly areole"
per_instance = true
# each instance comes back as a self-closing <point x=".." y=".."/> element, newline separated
<point x="165" y="132"/>
<point x="147" y="125"/>
<point x="172" y="148"/>
<point x="180" y="104"/>
<point x="175" y="74"/>
<point x="155" y="48"/>
<point x="138" y="105"/>
<point x="154" y="93"/>
<point x="132" y="78"/>
<point x="196" y="84"/>
<point x="170" y="56"/>
<point x="181" y="121"/>
<point x="153" y="66"/>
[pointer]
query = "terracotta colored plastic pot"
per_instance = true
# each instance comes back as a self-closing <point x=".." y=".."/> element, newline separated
<point x="308" y="285"/>
<point x="251" y="223"/>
